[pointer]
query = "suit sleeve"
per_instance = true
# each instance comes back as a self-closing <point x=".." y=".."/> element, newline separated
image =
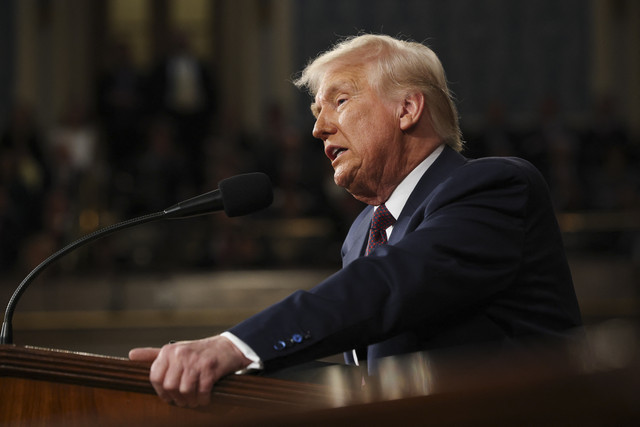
<point x="464" y="246"/>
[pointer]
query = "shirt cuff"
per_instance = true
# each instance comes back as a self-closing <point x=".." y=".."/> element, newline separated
<point x="256" y="363"/>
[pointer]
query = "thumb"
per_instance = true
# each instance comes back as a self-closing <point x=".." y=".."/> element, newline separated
<point x="144" y="354"/>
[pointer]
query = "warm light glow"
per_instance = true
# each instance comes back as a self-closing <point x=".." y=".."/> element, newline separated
<point x="194" y="17"/>
<point x="89" y="220"/>
<point x="129" y="21"/>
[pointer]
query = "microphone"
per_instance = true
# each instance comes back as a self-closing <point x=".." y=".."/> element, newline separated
<point x="238" y="195"/>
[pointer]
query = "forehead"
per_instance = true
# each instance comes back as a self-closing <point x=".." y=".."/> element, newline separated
<point x="342" y="77"/>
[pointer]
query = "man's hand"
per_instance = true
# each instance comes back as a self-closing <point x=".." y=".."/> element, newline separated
<point x="184" y="372"/>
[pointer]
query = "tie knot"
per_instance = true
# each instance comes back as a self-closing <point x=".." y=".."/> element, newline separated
<point x="382" y="218"/>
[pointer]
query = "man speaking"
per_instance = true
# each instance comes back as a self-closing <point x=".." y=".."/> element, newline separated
<point x="449" y="252"/>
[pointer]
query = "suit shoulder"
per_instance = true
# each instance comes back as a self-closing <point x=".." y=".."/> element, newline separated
<point x="507" y="162"/>
<point x="504" y="167"/>
<point x="502" y="177"/>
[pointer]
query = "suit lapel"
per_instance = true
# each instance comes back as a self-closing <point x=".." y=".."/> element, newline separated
<point x="360" y="236"/>
<point x="448" y="160"/>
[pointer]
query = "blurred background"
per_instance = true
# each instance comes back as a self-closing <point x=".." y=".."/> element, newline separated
<point x="111" y="109"/>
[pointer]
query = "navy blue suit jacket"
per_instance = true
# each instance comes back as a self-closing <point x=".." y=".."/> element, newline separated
<point x="476" y="256"/>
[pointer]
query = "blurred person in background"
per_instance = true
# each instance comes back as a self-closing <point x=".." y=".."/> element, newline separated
<point x="181" y="88"/>
<point x="121" y="107"/>
<point x="25" y="179"/>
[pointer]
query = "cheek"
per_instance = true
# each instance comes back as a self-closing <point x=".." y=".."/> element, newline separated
<point x="364" y="128"/>
<point x="379" y="137"/>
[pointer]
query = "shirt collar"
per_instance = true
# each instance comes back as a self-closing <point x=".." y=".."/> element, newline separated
<point x="401" y="194"/>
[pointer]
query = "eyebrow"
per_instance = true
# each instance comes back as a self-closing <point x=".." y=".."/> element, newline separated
<point x="315" y="109"/>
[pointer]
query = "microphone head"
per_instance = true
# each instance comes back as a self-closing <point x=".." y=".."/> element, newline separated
<point x="246" y="193"/>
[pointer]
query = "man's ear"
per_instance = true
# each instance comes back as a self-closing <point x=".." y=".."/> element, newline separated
<point x="412" y="109"/>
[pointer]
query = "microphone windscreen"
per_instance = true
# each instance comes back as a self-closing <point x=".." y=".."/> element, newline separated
<point x="246" y="193"/>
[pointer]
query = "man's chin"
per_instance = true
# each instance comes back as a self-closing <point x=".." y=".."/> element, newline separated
<point x="341" y="180"/>
<point x="352" y="188"/>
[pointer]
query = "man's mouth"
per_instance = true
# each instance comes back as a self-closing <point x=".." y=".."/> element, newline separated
<point x="333" y="152"/>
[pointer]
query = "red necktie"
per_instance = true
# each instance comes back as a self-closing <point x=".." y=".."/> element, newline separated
<point x="381" y="220"/>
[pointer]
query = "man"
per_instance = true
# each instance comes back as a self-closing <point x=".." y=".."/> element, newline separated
<point x="474" y="254"/>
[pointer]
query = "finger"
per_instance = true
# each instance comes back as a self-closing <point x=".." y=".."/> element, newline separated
<point x="157" y="375"/>
<point x="189" y="387"/>
<point x="205" y="386"/>
<point x="171" y="384"/>
<point x="144" y="354"/>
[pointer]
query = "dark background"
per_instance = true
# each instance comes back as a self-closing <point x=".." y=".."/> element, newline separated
<point x="89" y="139"/>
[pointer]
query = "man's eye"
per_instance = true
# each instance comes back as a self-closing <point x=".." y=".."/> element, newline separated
<point x="341" y="101"/>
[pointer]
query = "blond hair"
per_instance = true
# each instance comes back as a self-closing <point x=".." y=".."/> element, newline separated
<point x="396" y="67"/>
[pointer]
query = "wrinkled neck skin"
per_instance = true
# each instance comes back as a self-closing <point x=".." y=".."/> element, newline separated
<point x="414" y="146"/>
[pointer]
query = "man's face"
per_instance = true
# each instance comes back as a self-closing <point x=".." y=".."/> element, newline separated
<point x="361" y="133"/>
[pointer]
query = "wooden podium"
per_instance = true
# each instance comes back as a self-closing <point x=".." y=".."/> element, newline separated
<point x="41" y="387"/>
<point x="50" y="387"/>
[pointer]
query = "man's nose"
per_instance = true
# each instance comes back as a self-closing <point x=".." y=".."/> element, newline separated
<point x="323" y="127"/>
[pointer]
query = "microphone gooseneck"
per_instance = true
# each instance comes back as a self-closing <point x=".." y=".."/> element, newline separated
<point x="6" y="335"/>
<point x="238" y="195"/>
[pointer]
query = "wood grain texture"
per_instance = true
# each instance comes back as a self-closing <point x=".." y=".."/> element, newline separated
<point x="47" y="387"/>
